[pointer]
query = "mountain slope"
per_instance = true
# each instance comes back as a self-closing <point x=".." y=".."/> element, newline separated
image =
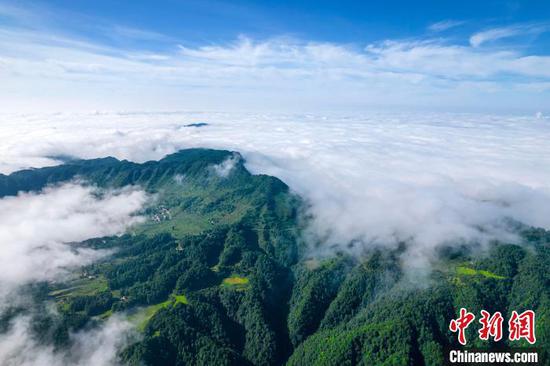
<point x="217" y="275"/>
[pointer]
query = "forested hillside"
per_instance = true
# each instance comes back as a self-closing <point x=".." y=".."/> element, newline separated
<point x="217" y="274"/>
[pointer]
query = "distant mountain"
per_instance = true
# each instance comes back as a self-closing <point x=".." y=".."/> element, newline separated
<point x="200" y="124"/>
<point x="218" y="275"/>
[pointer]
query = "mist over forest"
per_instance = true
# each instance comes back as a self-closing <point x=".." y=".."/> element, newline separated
<point x="267" y="183"/>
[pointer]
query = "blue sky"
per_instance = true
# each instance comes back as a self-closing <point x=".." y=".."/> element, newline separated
<point x="337" y="21"/>
<point x="491" y="56"/>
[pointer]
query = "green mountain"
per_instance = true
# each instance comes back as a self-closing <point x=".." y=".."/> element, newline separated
<point x="217" y="275"/>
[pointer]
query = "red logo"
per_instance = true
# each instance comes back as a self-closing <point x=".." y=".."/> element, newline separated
<point x="491" y="326"/>
<point x="520" y="326"/>
<point x="459" y="325"/>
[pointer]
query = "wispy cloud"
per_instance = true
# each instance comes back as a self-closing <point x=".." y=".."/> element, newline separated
<point x="445" y="25"/>
<point x="41" y="68"/>
<point x="137" y="34"/>
<point x="435" y="59"/>
<point x="12" y="12"/>
<point x="495" y="34"/>
<point x="272" y="69"/>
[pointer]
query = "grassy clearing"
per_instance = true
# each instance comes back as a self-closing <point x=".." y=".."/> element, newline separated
<point x="81" y="287"/>
<point x="466" y="271"/>
<point x="181" y="299"/>
<point x="236" y="281"/>
<point x="143" y="315"/>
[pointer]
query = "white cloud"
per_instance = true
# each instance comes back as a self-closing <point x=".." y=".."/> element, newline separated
<point x="380" y="178"/>
<point x="444" y="25"/>
<point x="136" y="34"/>
<point x="225" y="167"/>
<point x="37" y="229"/>
<point x="179" y="178"/>
<point x="458" y="63"/>
<point x="495" y="34"/>
<point x="95" y="347"/>
<point x="42" y="68"/>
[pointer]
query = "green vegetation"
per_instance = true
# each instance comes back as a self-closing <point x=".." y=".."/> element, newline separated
<point x="217" y="276"/>
<point x="466" y="271"/>
<point x="81" y="286"/>
<point x="142" y="316"/>
<point x="235" y="281"/>
<point x="181" y="299"/>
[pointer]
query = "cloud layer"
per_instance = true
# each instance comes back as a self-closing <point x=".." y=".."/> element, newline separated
<point x="36" y="229"/>
<point x="499" y="33"/>
<point x="96" y="347"/>
<point x="381" y="178"/>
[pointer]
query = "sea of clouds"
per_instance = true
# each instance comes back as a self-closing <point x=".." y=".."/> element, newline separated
<point x="427" y="179"/>
<point x="373" y="179"/>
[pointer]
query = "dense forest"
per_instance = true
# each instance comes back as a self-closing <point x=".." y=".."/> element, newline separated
<point x="218" y="275"/>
